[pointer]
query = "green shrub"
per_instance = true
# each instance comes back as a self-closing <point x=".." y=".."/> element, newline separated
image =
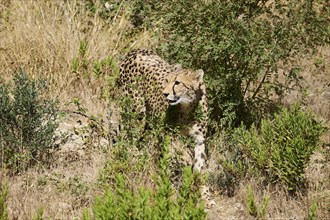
<point x="27" y="122"/>
<point x="238" y="44"/>
<point x="160" y="202"/>
<point x="258" y="211"/>
<point x="281" y="148"/>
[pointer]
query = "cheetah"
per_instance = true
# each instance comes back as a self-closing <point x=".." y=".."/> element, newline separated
<point x="157" y="87"/>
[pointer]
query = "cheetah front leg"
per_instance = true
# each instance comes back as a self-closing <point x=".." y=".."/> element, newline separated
<point x="199" y="154"/>
<point x="199" y="160"/>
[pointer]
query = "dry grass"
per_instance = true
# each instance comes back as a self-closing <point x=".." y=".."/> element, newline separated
<point x="43" y="38"/>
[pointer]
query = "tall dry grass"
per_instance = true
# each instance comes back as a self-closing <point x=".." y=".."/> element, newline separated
<point x="43" y="37"/>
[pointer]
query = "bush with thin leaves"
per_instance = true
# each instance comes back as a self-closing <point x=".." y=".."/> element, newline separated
<point x="27" y="122"/>
<point x="281" y="148"/>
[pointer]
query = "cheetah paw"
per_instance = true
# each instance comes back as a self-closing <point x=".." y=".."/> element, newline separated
<point x="209" y="203"/>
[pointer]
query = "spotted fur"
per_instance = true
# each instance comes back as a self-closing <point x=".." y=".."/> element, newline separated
<point x="157" y="87"/>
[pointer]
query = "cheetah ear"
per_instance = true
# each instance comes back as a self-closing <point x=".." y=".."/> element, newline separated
<point x="199" y="74"/>
<point x="177" y="67"/>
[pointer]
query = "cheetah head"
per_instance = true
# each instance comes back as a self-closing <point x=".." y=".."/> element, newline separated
<point x="183" y="86"/>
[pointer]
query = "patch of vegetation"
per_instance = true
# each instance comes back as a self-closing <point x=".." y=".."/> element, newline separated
<point x="281" y="148"/>
<point x="39" y="214"/>
<point x="162" y="201"/>
<point x="312" y="211"/>
<point x="133" y="122"/>
<point x="107" y="10"/>
<point x="255" y="210"/>
<point x="3" y="200"/>
<point x="79" y="65"/>
<point x="27" y="122"/>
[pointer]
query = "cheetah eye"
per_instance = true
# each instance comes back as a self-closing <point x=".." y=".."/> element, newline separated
<point x="177" y="82"/>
